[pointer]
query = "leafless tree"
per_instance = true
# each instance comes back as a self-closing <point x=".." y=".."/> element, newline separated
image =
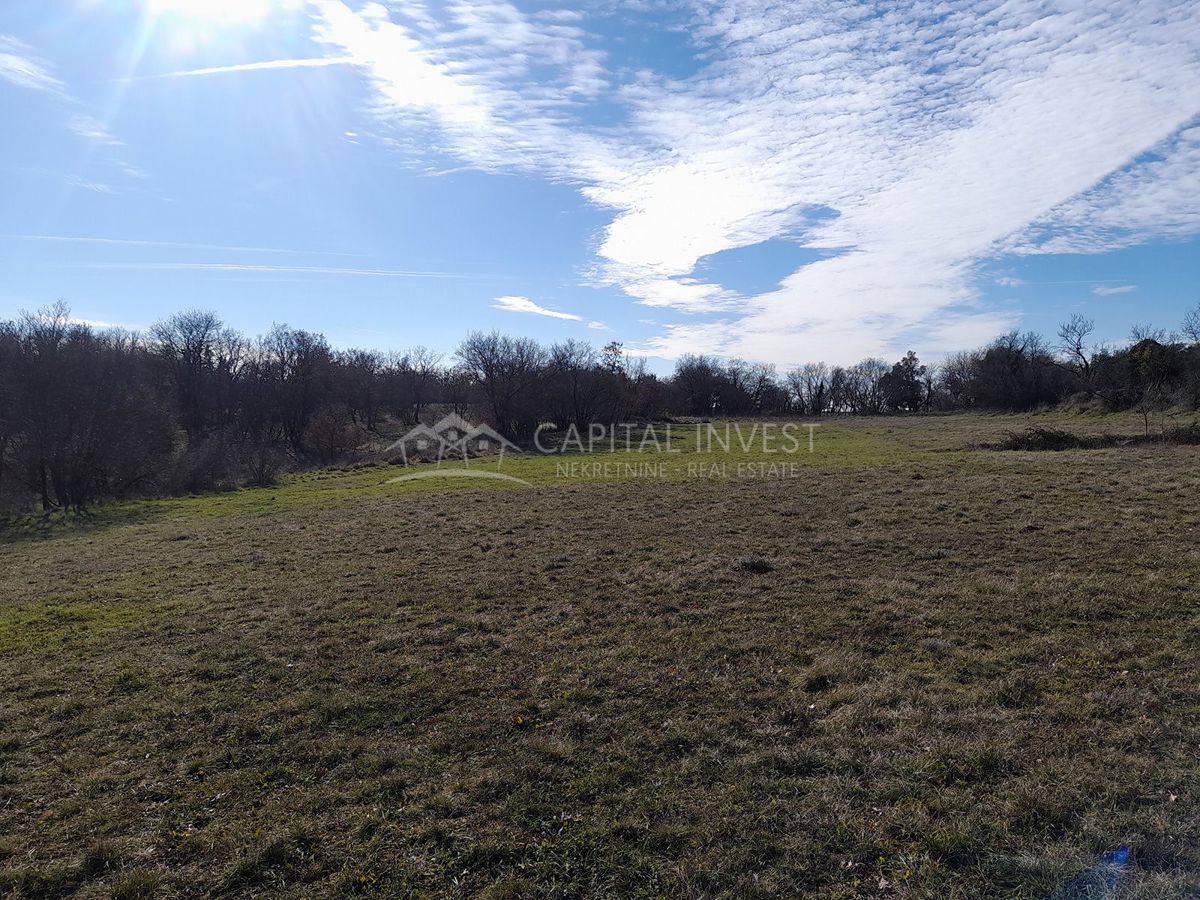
<point x="8" y="372"/>
<point x="186" y="341"/>
<point x="86" y="413"/>
<point x="809" y="386"/>
<point x="1191" y="325"/>
<point x="1073" y="343"/>
<point x="762" y="388"/>
<point x="579" y="392"/>
<point x="333" y="433"/>
<point x="956" y="377"/>
<point x="1149" y="400"/>
<point x="1140" y="332"/>
<point x="507" y="370"/>
<point x="697" y="384"/>
<point x="299" y="363"/>
<point x="865" y="386"/>
<point x="359" y="379"/>
<point x="930" y="381"/>
<point x="425" y="367"/>
<point x="89" y="418"/>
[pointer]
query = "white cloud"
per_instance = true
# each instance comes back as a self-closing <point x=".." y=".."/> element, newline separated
<point x="1104" y="290"/>
<point x="92" y="129"/>
<point x="96" y="187"/>
<point x="938" y="137"/>
<point x="525" y="305"/>
<point x="1156" y="197"/>
<point x="19" y="65"/>
<point x="598" y="326"/>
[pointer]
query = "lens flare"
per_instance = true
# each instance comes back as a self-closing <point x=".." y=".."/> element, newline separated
<point x="219" y="12"/>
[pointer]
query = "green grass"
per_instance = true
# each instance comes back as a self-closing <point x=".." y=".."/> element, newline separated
<point x="915" y="669"/>
<point x="69" y="624"/>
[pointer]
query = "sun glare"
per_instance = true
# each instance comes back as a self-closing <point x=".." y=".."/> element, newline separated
<point x="220" y="12"/>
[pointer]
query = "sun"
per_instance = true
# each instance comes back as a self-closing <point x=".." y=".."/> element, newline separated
<point x="218" y="12"/>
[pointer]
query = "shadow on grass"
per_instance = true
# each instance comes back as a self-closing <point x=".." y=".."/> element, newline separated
<point x="57" y="523"/>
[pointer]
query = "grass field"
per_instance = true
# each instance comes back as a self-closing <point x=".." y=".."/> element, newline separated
<point x="909" y="669"/>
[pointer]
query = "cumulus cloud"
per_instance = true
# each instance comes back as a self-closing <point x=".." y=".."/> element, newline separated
<point x="913" y="143"/>
<point x="525" y="305"/>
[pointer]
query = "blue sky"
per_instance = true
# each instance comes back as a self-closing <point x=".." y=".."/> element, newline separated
<point x="775" y="181"/>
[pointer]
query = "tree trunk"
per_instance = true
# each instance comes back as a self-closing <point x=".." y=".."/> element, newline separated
<point x="45" y="487"/>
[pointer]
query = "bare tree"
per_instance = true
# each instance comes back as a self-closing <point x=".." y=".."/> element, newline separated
<point x="187" y="341"/>
<point x="456" y="389"/>
<point x="300" y="364"/>
<point x="578" y="395"/>
<point x="8" y="369"/>
<point x="506" y="370"/>
<point x="930" y="382"/>
<point x="865" y="384"/>
<point x="1149" y="400"/>
<point x="425" y="366"/>
<point x="697" y="383"/>
<point x="1191" y="324"/>
<point x="809" y="386"/>
<point x="956" y="378"/>
<point x="761" y="387"/>
<point x="90" y="420"/>
<point x="358" y="385"/>
<point x="612" y="357"/>
<point x="1140" y="332"/>
<point x="333" y="433"/>
<point x="1073" y="343"/>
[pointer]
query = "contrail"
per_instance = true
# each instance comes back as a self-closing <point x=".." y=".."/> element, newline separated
<point x="313" y="63"/>
<point x="239" y="267"/>
<point x="181" y="245"/>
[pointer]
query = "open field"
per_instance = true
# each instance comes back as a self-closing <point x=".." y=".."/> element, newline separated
<point x="914" y="669"/>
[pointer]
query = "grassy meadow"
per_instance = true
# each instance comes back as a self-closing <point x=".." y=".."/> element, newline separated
<point x="910" y="667"/>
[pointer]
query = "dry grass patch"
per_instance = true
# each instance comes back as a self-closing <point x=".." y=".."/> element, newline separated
<point x="859" y="682"/>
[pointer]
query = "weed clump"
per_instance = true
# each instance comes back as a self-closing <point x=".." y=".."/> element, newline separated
<point x="137" y="886"/>
<point x="102" y="856"/>
<point x="754" y="565"/>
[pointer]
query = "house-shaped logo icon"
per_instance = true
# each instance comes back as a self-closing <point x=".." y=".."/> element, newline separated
<point x="454" y="438"/>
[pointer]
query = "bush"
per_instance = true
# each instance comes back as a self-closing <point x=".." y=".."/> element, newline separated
<point x="1183" y="434"/>
<point x="262" y="462"/>
<point x="1056" y="439"/>
<point x="201" y="468"/>
<point x="1038" y="439"/>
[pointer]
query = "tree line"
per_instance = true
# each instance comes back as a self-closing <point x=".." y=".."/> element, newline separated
<point x="193" y="405"/>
